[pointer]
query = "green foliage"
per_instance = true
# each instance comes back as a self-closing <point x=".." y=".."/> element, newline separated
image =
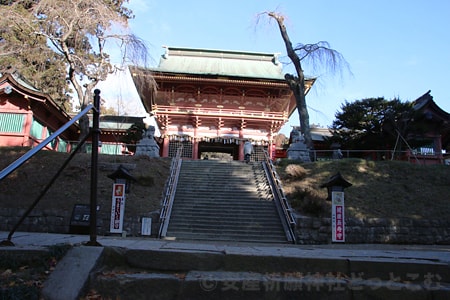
<point x="29" y="54"/>
<point x="54" y="43"/>
<point x="133" y="136"/>
<point x="372" y="123"/>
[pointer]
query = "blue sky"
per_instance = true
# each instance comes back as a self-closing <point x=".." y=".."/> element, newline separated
<point x="394" y="48"/>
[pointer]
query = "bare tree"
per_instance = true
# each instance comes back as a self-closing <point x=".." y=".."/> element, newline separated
<point x="316" y="53"/>
<point x="82" y="32"/>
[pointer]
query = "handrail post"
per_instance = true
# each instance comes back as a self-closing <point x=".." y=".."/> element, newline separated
<point x="169" y="195"/>
<point x="283" y="207"/>
<point x="94" y="169"/>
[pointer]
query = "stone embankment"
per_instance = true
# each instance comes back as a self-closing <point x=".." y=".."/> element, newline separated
<point x="310" y="230"/>
<point x="376" y="231"/>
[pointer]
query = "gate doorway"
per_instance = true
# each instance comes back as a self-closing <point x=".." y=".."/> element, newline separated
<point x="218" y="150"/>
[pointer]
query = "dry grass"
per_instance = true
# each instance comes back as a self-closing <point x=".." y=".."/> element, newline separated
<point x="391" y="189"/>
<point x="380" y="189"/>
<point x="24" y="185"/>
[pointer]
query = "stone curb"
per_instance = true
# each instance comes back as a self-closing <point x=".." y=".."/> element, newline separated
<point x="71" y="274"/>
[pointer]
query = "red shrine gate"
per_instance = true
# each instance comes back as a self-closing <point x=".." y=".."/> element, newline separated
<point x="214" y="100"/>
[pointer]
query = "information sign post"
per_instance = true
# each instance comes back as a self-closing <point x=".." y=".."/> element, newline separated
<point x="122" y="181"/>
<point x="335" y="187"/>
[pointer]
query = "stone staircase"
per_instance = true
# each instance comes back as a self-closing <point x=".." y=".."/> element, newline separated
<point x="224" y="201"/>
<point x="187" y="270"/>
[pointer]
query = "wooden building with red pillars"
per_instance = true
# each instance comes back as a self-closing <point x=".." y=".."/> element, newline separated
<point x="28" y="116"/>
<point x="213" y="100"/>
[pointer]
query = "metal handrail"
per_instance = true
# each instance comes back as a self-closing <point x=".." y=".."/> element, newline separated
<point x="43" y="192"/>
<point x="13" y="166"/>
<point x="281" y="202"/>
<point x="95" y="131"/>
<point x="169" y="193"/>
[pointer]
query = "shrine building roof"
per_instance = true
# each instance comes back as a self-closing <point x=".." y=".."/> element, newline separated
<point x="220" y="63"/>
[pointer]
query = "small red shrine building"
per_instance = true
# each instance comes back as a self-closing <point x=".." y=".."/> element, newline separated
<point x="28" y="116"/>
<point x="214" y="100"/>
<point x="435" y="122"/>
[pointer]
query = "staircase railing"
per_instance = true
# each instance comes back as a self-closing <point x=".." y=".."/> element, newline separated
<point x="283" y="207"/>
<point x="169" y="193"/>
<point x="21" y="160"/>
<point x="94" y="133"/>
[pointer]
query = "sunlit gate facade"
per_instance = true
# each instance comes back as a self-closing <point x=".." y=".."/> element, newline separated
<point x="211" y="101"/>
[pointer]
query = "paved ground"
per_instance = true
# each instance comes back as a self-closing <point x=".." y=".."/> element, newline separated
<point x="71" y="274"/>
<point x="398" y="252"/>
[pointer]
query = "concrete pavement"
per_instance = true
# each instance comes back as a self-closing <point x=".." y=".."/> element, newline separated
<point x="395" y="264"/>
<point x="436" y="253"/>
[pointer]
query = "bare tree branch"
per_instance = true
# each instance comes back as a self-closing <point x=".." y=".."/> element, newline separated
<point x="318" y="55"/>
<point x="79" y="31"/>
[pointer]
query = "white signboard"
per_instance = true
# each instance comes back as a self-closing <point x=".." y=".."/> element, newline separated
<point x="117" y="208"/>
<point x="146" y="228"/>
<point x="337" y="217"/>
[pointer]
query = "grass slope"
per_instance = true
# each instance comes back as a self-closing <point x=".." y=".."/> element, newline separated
<point x="24" y="185"/>
<point x="389" y="189"/>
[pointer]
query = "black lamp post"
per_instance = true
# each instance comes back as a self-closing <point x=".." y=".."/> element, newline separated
<point x="95" y="133"/>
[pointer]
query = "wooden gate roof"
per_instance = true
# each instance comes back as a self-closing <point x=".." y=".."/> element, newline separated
<point x="221" y="63"/>
<point x="202" y="85"/>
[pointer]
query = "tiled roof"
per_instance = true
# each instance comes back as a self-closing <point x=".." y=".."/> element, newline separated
<point x="426" y="102"/>
<point x="221" y="63"/>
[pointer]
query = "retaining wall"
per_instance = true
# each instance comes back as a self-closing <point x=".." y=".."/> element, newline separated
<point x="375" y="231"/>
<point x="310" y="230"/>
<point x="58" y="221"/>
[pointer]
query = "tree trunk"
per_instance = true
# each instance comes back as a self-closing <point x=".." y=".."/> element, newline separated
<point x="297" y="84"/>
<point x="299" y="93"/>
<point x="84" y="130"/>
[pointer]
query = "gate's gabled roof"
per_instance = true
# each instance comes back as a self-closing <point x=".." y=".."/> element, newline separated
<point x="203" y="85"/>
<point x="221" y="63"/>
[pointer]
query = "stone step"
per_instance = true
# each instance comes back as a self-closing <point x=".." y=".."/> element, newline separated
<point x="232" y="238"/>
<point x="219" y="233"/>
<point x="226" y="223"/>
<point x="239" y="211"/>
<point x="253" y="204"/>
<point x="224" y="201"/>
<point x="229" y="220"/>
<point x="197" y="214"/>
<point x="254" y="273"/>
<point x="206" y="218"/>
<point x="228" y="230"/>
<point x="229" y="192"/>
<point x="247" y="286"/>
<point x="236" y="195"/>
